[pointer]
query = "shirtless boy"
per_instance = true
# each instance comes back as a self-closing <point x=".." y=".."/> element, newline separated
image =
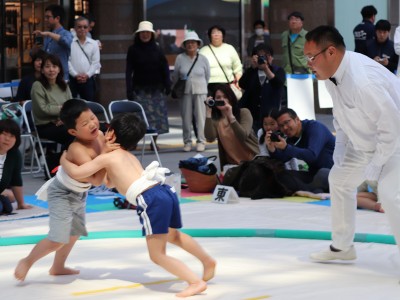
<point x="67" y="196"/>
<point x="157" y="204"/>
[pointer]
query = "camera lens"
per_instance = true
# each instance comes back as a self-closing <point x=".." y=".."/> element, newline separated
<point x="210" y="102"/>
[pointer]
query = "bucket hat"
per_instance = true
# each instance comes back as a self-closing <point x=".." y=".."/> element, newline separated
<point x="191" y="36"/>
<point x="145" y="26"/>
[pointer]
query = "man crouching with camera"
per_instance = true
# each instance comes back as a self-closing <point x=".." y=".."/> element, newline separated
<point x="307" y="148"/>
<point x="263" y="85"/>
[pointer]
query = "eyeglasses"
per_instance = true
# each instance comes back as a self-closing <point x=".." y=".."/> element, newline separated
<point x="312" y="58"/>
<point x="285" y="123"/>
<point x="82" y="26"/>
<point x="48" y="17"/>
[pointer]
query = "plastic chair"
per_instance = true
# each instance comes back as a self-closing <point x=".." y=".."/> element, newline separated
<point x="121" y="106"/>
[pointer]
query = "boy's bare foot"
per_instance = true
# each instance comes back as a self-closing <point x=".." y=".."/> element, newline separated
<point x="193" y="289"/>
<point x="209" y="269"/>
<point x="63" y="271"/>
<point x="22" y="269"/>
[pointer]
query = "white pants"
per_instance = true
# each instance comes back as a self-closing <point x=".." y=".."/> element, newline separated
<point x="343" y="182"/>
<point x="193" y="105"/>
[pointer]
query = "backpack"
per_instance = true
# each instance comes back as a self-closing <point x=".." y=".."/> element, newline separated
<point x="258" y="178"/>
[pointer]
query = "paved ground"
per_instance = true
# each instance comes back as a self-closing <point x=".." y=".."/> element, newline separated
<point x="171" y="148"/>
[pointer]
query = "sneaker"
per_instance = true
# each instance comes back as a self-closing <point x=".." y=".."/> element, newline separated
<point x="326" y="255"/>
<point x="187" y="147"/>
<point x="200" y="147"/>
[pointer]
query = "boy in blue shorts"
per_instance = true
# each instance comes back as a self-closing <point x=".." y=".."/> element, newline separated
<point x="67" y="196"/>
<point x="157" y="204"/>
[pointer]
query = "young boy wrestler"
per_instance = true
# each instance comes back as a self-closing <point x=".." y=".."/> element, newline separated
<point x="67" y="196"/>
<point x="157" y="204"/>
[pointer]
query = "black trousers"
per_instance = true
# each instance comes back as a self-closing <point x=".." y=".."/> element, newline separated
<point x="86" y="91"/>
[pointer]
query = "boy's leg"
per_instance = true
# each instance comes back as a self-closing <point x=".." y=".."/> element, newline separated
<point x="41" y="249"/>
<point x="58" y="267"/>
<point x="156" y="245"/>
<point x="187" y="243"/>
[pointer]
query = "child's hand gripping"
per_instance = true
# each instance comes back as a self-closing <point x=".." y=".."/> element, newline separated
<point x="110" y="142"/>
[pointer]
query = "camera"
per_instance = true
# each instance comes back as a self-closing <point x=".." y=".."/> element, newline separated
<point x="38" y="40"/>
<point x="261" y="60"/>
<point x="212" y="102"/>
<point x="275" y="136"/>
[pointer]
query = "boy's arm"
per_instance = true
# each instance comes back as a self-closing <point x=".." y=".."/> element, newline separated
<point x="78" y="154"/>
<point x="87" y="169"/>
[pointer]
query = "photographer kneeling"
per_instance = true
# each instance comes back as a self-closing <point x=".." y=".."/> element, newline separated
<point x="231" y="125"/>
<point x="307" y="149"/>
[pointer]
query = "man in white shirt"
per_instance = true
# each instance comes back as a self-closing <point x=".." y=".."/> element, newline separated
<point x="83" y="62"/>
<point x="366" y="111"/>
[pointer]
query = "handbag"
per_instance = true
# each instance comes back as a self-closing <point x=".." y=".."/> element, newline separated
<point x="12" y="111"/>
<point x="236" y="90"/>
<point x="179" y="87"/>
<point x="200" y="174"/>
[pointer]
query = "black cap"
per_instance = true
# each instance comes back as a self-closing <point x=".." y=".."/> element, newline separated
<point x="296" y="14"/>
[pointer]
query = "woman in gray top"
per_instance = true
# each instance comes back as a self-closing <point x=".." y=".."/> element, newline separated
<point x="192" y="102"/>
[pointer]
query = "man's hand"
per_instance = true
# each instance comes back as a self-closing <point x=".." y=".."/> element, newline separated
<point x="24" y="206"/>
<point x="281" y="145"/>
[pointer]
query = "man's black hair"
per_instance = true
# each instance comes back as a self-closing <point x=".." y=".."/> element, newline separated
<point x="288" y="111"/>
<point x="259" y="22"/>
<point x="263" y="47"/>
<point x="368" y="11"/>
<point x="128" y="129"/>
<point x="56" y="11"/>
<point x="325" y="36"/>
<point x="383" y="25"/>
<point x="71" y="110"/>
<point x="11" y="127"/>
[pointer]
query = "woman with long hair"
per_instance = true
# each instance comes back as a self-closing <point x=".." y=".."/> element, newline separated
<point x="231" y="125"/>
<point x="48" y="94"/>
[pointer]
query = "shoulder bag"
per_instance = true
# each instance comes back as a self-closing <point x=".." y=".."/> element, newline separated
<point x="237" y="91"/>
<point x="179" y="87"/>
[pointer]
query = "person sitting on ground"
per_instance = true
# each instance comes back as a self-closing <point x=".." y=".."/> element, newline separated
<point x="11" y="186"/>
<point x="157" y="203"/>
<point x="268" y="124"/>
<point x="67" y="195"/>
<point x="308" y="146"/>
<point x="367" y="196"/>
<point x="232" y="126"/>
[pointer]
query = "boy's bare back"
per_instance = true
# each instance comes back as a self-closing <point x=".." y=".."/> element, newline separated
<point x="122" y="168"/>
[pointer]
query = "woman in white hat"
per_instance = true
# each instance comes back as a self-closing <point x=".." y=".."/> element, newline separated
<point x="195" y="93"/>
<point x="147" y="76"/>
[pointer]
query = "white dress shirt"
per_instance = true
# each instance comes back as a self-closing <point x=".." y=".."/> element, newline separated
<point x="366" y="106"/>
<point x="78" y="63"/>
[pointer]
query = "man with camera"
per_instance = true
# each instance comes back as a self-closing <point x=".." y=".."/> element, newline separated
<point x="263" y="83"/>
<point x="309" y="141"/>
<point x="57" y="40"/>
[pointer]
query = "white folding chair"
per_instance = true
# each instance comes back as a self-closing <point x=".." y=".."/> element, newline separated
<point x="121" y="106"/>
